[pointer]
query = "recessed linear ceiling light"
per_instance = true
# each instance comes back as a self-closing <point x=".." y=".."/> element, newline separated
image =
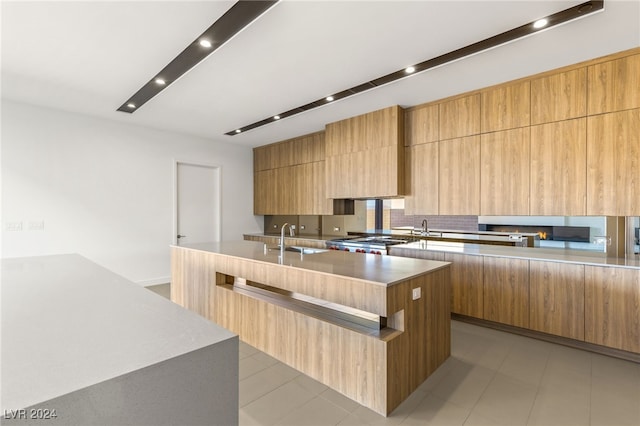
<point x="561" y="17"/>
<point x="241" y="14"/>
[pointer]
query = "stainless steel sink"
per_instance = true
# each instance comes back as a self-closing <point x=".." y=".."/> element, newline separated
<point x="305" y="250"/>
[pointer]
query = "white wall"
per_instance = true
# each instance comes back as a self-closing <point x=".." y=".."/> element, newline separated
<point x="105" y="189"/>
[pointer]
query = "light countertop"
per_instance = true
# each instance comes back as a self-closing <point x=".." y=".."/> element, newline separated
<point x="531" y="253"/>
<point x="68" y="323"/>
<point x="376" y="269"/>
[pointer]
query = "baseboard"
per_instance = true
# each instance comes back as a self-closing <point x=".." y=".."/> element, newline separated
<point x="154" y="281"/>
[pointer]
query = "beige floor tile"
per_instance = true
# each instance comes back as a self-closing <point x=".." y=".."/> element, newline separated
<point x="561" y="407"/>
<point x="436" y="377"/>
<point x="397" y="416"/>
<point x="615" y="401"/>
<point x="525" y="363"/>
<point x="313" y="386"/>
<point x="259" y="384"/>
<point x="246" y="350"/>
<point x="490" y="353"/>
<point x="506" y="400"/>
<point x="278" y="403"/>
<point x="353" y="420"/>
<point x="265" y="359"/>
<point x="340" y="400"/>
<point x="464" y="384"/>
<point x="435" y="411"/>
<point x="316" y="412"/>
<point x="248" y="366"/>
<point x="476" y="419"/>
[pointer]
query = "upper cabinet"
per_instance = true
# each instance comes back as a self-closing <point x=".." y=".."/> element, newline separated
<point x="560" y="96"/>
<point x="365" y="155"/>
<point x="613" y="164"/>
<point x="614" y="85"/>
<point x="421" y="125"/>
<point x="289" y="177"/>
<point x="505" y="107"/>
<point x="558" y="168"/>
<point x="460" y="117"/>
<point x="459" y="176"/>
<point x="422" y="179"/>
<point x="504" y="177"/>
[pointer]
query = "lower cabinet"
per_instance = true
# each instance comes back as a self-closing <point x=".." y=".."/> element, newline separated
<point x="466" y="284"/>
<point x="556" y="302"/>
<point x="612" y="307"/>
<point x="506" y="291"/>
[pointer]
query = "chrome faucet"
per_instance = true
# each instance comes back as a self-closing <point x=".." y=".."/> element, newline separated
<point x="291" y="233"/>
<point x="424" y="227"/>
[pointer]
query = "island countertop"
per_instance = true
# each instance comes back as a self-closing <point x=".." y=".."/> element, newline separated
<point x="376" y="269"/>
<point x="69" y="324"/>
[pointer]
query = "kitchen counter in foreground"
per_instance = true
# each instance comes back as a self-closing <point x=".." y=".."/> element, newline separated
<point x="82" y="345"/>
<point x="370" y="327"/>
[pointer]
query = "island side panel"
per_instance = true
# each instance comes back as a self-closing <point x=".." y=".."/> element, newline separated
<point x="193" y="277"/>
<point x="426" y="341"/>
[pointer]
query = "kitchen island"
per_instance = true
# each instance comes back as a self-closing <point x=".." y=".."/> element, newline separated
<point x="84" y="346"/>
<point x="371" y="327"/>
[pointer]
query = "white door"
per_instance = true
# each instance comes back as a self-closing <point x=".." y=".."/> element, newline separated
<point x="197" y="203"/>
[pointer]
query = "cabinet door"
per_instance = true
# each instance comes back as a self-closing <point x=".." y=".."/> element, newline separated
<point x="560" y="96"/>
<point x="506" y="107"/>
<point x="466" y="284"/>
<point x="558" y="168"/>
<point x="421" y="180"/>
<point x="459" y="176"/>
<point x="460" y="117"/>
<point x="421" y="125"/>
<point x="556" y="299"/>
<point x="613" y="164"/>
<point x="319" y="203"/>
<point x="612" y="307"/>
<point x="614" y="85"/>
<point x="506" y="291"/>
<point x="504" y="177"/>
<point x="264" y="201"/>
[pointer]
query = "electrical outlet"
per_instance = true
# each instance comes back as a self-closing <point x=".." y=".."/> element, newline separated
<point x="36" y="225"/>
<point x="417" y="293"/>
<point x="13" y="226"/>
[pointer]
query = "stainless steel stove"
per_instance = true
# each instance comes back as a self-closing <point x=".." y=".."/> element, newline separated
<point x="367" y="244"/>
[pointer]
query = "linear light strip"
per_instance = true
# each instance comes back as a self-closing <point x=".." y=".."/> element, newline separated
<point x="241" y="14"/>
<point x="563" y="16"/>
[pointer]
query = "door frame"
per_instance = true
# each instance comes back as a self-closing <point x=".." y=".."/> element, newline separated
<point x="218" y="187"/>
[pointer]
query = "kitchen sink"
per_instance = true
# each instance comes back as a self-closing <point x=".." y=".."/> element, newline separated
<point x="305" y="250"/>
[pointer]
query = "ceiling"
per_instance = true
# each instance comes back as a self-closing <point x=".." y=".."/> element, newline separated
<point x="89" y="57"/>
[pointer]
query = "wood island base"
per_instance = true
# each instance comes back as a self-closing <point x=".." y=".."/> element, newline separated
<point x="373" y="343"/>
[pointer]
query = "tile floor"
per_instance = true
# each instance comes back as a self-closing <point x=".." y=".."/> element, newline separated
<point x="491" y="378"/>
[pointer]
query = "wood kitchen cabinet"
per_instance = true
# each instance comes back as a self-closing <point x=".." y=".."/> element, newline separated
<point x="613" y="164"/>
<point x="505" y="107"/>
<point x="421" y="125"/>
<point x="459" y="176"/>
<point x="504" y="177"/>
<point x="560" y="96"/>
<point x="506" y="291"/>
<point x="556" y="298"/>
<point x="614" y="85"/>
<point x="289" y="177"/>
<point x="612" y="307"/>
<point x="421" y="179"/>
<point x="558" y="168"/>
<point x="467" y="277"/>
<point x="365" y="155"/>
<point x="459" y="117"/>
